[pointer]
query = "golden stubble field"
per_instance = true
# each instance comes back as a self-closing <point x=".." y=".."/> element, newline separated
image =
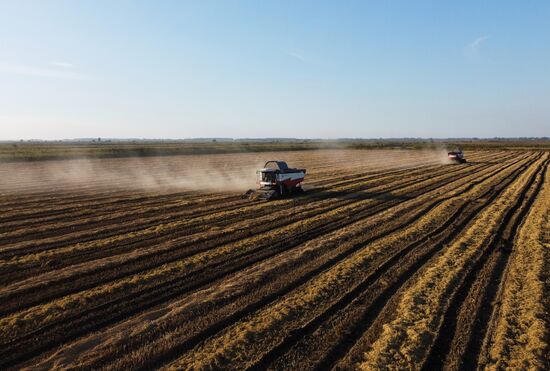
<point x="391" y="257"/>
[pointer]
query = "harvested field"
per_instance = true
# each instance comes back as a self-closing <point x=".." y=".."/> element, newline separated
<point x="390" y="257"/>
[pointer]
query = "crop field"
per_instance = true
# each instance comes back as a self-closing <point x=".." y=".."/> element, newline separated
<point x="390" y="257"/>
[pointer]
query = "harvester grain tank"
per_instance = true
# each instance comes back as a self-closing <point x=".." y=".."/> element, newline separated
<point x="275" y="180"/>
<point x="457" y="156"/>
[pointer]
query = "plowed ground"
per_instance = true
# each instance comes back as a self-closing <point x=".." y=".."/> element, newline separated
<point x="389" y="258"/>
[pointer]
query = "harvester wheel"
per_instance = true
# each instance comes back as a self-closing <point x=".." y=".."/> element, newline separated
<point x="248" y="194"/>
<point x="294" y="190"/>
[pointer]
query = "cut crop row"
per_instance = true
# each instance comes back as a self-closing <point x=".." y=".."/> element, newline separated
<point x="407" y="340"/>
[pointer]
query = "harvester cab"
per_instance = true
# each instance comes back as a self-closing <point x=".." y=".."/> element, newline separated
<point x="275" y="180"/>
<point x="457" y="156"/>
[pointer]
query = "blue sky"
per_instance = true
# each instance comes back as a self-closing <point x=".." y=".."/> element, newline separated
<point x="313" y="69"/>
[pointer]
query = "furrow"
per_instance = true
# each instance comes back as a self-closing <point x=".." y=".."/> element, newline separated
<point x="422" y="309"/>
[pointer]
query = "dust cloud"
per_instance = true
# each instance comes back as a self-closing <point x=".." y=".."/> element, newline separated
<point x="439" y="155"/>
<point x="208" y="173"/>
<point x="193" y="173"/>
<point x="373" y="159"/>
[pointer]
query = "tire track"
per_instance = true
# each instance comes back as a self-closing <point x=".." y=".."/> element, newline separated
<point x="155" y="259"/>
<point x="472" y="305"/>
<point x="368" y="298"/>
<point x="37" y="247"/>
<point x="266" y="328"/>
<point x="156" y="293"/>
<point x="236" y="202"/>
<point x="279" y="294"/>
<point x="141" y="199"/>
<point x="129" y="244"/>
<point x="435" y="289"/>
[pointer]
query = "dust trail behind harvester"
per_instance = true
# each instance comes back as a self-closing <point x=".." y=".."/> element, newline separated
<point x="208" y="173"/>
<point x="439" y="154"/>
<point x="388" y="158"/>
<point x="171" y="173"/>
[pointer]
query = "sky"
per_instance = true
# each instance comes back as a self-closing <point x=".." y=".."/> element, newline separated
<point x="252" y="69"/>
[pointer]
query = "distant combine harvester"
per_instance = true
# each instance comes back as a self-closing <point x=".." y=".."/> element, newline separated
<point x="457" y="156"/>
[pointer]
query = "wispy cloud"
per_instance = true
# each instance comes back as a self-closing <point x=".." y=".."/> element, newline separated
<point x="62" y="64"/>
<point x="297" y="54"/>
<point x="44" y="72"/>
<point x="472" y="49"/>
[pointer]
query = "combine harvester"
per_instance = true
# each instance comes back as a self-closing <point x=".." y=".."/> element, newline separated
<point x="276" y="180"/>
<point x="456" y="156"/>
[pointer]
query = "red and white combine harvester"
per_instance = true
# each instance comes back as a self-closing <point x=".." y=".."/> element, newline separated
<point x="456" y="156"/>
<point x="275" y="180"/>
